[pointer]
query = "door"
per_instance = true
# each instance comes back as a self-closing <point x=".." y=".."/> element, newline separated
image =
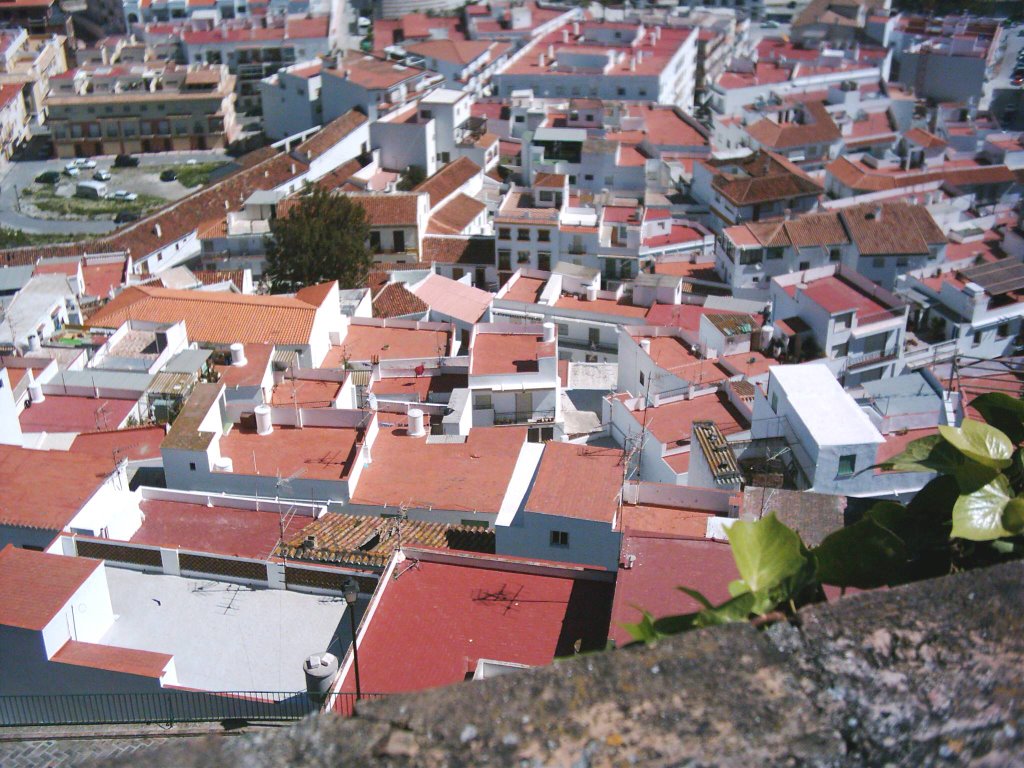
<point x="524" y="406"/>
<point x="399" y="240"/>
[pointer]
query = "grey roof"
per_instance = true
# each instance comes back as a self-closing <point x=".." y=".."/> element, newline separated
<point x="648" y="280"/>
<point x="187" y="361"/>
<point x="14" y="278"/>
<point x="576" y="270"/>
<point x="560" y="134"/>
<point x="264" y="197"/>
<point x="350" y="298"/>
<point x="32" y="304"/>
<point x="93" y="377"/>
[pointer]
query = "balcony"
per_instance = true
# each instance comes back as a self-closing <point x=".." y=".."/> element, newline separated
<point x="867" y="359"/>
<point x="505" y="418"/>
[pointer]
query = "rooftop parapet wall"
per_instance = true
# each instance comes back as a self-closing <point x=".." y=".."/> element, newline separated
<point x="909" y="676"/>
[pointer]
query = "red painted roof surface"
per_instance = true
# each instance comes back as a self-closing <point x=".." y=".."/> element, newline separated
<point x="601" y="306"/>
<point x="672" y="423"/>
<point x="72" y="413"/>
<point x="668" y="521"/>
<point x="685" y="316"/>
<point x="364" y="341"/>
<point x="305" y="393"/>
<point x="257" y="358"/>
<point x="134" y="444"/>
<point x="216" y="530"/>
<point x="437" y="620"/>
<point x="578" y="481"/>
<point x="100" y="278"/>
<point x="472" y="476"/>
<point x="895" y="444"/>
<point x="496" y="353"/>
<point x="750" y="363"/>
<point x="37" y="585"/>
<point x="679" y="233"/>
<point x="661" y="565"/>
<point x="670" y="353"/>
<point x="45" y="489"/>
<point x="422" y="386"/>
<point x="702" y="271"/>
<point x="320" y="453"/>
<point x="17" y="366"/>
<point x="526" y="289"/>
<point x="834" y="294"/>
<point x="125" y="660"/>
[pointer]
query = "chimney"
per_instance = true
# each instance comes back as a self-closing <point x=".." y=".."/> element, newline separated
<point x="293" y="169"/>
<point x="877" y="213"/>
<point x="158" y="230"/>
<point x="551" y="51"/>
<point x="576" y="28"/>
<point x="416" y="423"/>
<point x="565" y="36"/>
<point x="540" y="61"/>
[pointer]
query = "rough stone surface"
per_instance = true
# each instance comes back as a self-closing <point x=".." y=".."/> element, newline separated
<point x="928" y="674"/>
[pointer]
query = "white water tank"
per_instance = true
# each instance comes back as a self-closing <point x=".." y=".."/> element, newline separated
<point x="35" y="389"/>
<point x="416" y="423"/>
<point x="550" y="332"/>
<point x="264" y="420"/>
<point x="645" y="345"/>
<point x="33" y="342"/>
<point x="224" y="464"/>
<point x="238" y="354"/>
<point x="591" y="293"/>
<point x="767" y="332"/>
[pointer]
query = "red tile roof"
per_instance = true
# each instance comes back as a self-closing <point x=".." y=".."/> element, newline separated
<point x="37" y="585"/>
<point x="498" y="353"/>
<point x="128" y="661"/>
<point x="448" y="180"/>
<point x="374" y="73"/>
<point x="459" y="250"/>
<point x="662" y="565"/>
<point x="45" y="489"/>
<point x="331" y="134"/>
<point x="362" y="342"/>
<point x="75" y="413"/>
<point x="217" y="317"/>
<point x="395" y="300"/>
<point x="389" y="209"/>
<point x="577" y="481"/>
<point x="470" y="477"/>
<point x="487" y="611"/>
<point x="457" y="51"/>
<point x="133" y="444"/>
<point x="455" y="216"/>
<point x="213" y="529"/>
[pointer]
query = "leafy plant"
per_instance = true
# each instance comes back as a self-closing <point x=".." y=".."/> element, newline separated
<point x="971" y="514"/>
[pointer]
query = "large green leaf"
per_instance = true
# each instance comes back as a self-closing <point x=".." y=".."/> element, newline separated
<point x="979" y="442"/>
<point x="1013" y="515"/>
<point x="926" y="454"/>
<point x="1003" y="412"/>
<point x="766" y="552"/>
<point x="978" y="516"/>
<point x="865" y="555"/>
<point x="643" y="631"/>
<point x="737" y="608"/>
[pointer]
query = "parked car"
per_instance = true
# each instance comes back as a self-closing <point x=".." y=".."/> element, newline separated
<point x="48" y="177"/>
<point x="102" y="175"/>
<point x="71" y="169"/>
<point x="125" y="195"/>
<point x="84" y="162"/>
<point x="123" y="217"/>
<point x="169" y="175"/>
<point x="91" y="190"/>
<point x="770" y="25"/>
<point x="126" y="161"/>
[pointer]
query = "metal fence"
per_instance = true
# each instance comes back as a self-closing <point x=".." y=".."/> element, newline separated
<point x="169" y="707"/>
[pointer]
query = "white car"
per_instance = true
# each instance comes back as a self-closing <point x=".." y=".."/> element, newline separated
<point x="102" y="175"/>
<point x="124" y="194"/>
<point x="83" y="162"/>
<point x="71" y="169"/>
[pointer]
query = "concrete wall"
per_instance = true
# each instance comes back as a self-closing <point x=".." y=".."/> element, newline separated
<point x="590" y="542"/>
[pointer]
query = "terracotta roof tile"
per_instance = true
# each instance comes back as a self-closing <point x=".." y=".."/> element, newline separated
<point x="331" y="134"/>
<point x="215" y="317"/>
<point x="373" y="72"/>
<point x="760" y="178"/>
<point x="891" y="228"/>
<point x="389" y="209"/>
<point x="37" y="585"/>
<point x="448" y="180"/>
<point x="395" y="300"/>
<point x="458" y="51"/>
<point x="455" y="216"/>
<point x="817" y="128"/>
<point x="458" y="250"/>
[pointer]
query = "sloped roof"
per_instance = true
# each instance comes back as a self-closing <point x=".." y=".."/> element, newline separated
<point x="457" y="51"/>
<point x="447" y="180"/>
<point x="37" y="585"/>
<point x="388" y="209"/>
<point x="331" y="134"/>
<point x="760" y="178"/>
<point x="455" y="216"/>
<point x="817" y="128"/>
<point x="452" y="298"/>
<point x="458" y="250"/>
<point x="891" y="228"/>
<point x="395" y="300"/>
<point x="809" y="230"/>
<point x="216" y="317"/>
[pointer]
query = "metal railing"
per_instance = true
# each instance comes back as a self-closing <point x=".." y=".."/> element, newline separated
<point x="169" y="706"/>
<point x="524" y="417"/>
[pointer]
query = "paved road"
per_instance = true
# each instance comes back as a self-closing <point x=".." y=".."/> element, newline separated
<point x="21" y="174"/>
<point x="57" y="753"/>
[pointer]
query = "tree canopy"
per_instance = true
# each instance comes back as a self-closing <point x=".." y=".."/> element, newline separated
<point x="414" y="176"/>
<point x="322" y="238"/>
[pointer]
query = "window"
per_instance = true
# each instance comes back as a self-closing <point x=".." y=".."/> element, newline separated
<point x="546" y="197"/>
<point x="1003" y="330"/>
<point x="544" y="235"/>
<point x="504" y="233"/>
<point x="877" y="262"/>
<point x="804" y="265"/>
<point x="902" y="261"/>
<point x="834" y="254"/>
<point x="505" y="260"/>
<point x="572" y="180"/>
<point x="847" y="464"/>
<point x="641" y="379"/>
<point x="482" y="400"/>
<point x="594" y="336"/>
<point x="776" y="253"/>
<point x="559" y="538"/>
<point x="977" y="338"/>
<point x="775" y="402"/>
<point x="191" y="466"/>
<point x="522" y="234"/>
<point x="544" y="261"/>
<point x="620" y="91"/>
<point x="563" y="329"/>
<point x="588" y="177"/>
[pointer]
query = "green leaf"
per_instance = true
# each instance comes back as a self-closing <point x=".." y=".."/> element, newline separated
<point x="1003" y="412"/>
<point x="979" y="442"/>
<point x="696" y="595"/>
<point x="738" y="587"/>
<point x="766" y="552"/>
<point x="738" y="608"/>
<point x="978" y="516"/>
<point x="675" y="625"/>
<point x="864" y="555"/>
<point x="926" y="454"/>
<point x="1013" y="515"/>
<point x="643" y="631"/>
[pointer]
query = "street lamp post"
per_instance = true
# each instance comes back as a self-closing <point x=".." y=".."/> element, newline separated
<point x="351" y="595"/>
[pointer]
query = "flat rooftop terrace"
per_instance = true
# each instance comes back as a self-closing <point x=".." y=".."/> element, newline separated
<point x="362" y="342"/>
<point x="321" y="453"/>
<point x="224" y="637"/>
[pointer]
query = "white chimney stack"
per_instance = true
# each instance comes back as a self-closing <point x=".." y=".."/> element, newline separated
<point x="645" y="345"/>
<point x="158" y="230"/>
<point x="416" y="423"/>
<point x="264" y="420"/>
<point x="35" y="389"/>
<point x="591" y="293"/>
<point x="550" y="334"/>
<point x="238" y="354"/>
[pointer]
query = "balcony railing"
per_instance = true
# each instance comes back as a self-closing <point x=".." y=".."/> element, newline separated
<point x="870" y="358"/>
<point x="523" y="417"/>
<point x="170" y="706"/>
